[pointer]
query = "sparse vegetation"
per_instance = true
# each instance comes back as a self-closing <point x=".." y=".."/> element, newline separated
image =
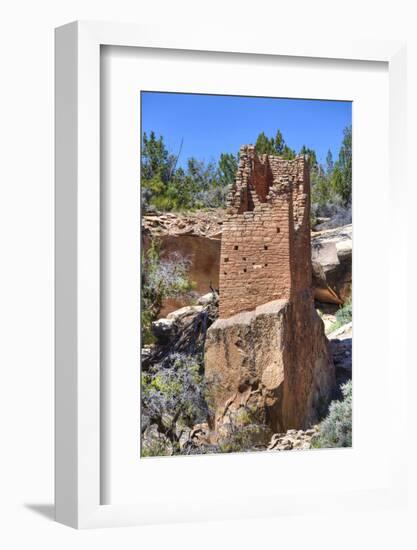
<point x="343" y="316"/>
<point x="161" y="278"/>
<point x="174" y="393"/>
<point x="336" y="428"/>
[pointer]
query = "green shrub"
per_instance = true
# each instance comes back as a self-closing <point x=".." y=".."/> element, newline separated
<point x="343" y="316"/>
<point x="336" y="428"/>
<point x="174" y="393"/>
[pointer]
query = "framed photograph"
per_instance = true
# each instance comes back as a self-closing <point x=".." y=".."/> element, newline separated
<point x="207" y="194"/>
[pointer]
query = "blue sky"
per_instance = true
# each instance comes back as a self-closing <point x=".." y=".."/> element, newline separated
<point x="211" y="125"/>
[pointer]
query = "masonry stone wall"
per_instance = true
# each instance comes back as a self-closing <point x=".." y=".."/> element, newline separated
<point x="265" y="250"/>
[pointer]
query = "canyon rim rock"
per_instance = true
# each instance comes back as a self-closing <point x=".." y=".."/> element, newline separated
<point x="268" y="352"/>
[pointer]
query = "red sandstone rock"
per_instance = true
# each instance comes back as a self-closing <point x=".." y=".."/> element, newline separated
<point x="274" y="360"/>
<point x="268" y="350"/>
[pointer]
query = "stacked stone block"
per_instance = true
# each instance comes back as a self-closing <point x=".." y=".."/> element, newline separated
<point x="265" y="251"/>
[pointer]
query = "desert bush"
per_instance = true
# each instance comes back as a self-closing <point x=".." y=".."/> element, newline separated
<point x="336" y="428"/>
<point x="327" y="203"/>
<point x="214" y="197"/>
<point x="161" y="278"/>
<point x="338" y="214"/>
<point x="341" y="215"/>
<point x="343" y="316"/>
<point x="247" y="437"/>
<point x="174" y="392"/>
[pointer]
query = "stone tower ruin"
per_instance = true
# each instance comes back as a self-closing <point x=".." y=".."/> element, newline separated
<point x="265" y="250"/>
<point x="267" y="352"/>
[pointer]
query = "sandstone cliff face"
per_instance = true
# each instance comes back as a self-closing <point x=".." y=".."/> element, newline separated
<point x="203" y="253"/>
<point x="198" y="238"/>
<point x="273" y="360"/>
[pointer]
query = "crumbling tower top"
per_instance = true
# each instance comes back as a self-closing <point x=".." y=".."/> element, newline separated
<point x="265" y="251"/>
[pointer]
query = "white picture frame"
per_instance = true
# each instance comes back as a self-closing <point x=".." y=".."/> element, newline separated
<point x="78" y="404"/>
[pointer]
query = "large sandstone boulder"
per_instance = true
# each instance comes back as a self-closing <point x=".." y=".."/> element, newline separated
<point x="274" y="361"/>
<point x="182" y="331"/>
<point x="331" y="252"/>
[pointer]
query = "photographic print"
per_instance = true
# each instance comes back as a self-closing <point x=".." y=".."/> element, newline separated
<point x="246" y="274"/>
